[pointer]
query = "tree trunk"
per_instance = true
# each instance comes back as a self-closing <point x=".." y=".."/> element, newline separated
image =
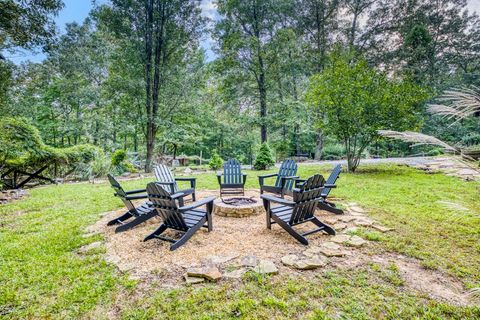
<point x="296" y="139"/>
<point x="263" y="101"/>
<point x="150" y="134"/>
<point x="319" y="145"/>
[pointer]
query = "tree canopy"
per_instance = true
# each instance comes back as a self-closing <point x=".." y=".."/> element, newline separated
<point x="135" y="76"/>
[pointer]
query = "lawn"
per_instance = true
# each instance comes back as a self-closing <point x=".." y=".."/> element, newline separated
<point x="43" y="276"/>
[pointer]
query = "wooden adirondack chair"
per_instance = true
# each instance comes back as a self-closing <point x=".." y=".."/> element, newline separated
<point x="139" y="214"/>
<point x="165" y="178"/>
<point x="284" y="182"/>
<point x="233" y="179"/>
<point x="301" y="210"/>
<point x="186" y="219"/>
<point x="323" y="204"/>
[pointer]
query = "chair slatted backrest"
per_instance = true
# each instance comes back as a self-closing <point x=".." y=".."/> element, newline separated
<point x="306" y="198"/>
<point x="166" y="207"/>
<point x="287" y="169"/>
<point x="232" y="172"/>
<point x="332" y="179"/>
<point x="164" y="174"/>
<point x="119" y="192"/>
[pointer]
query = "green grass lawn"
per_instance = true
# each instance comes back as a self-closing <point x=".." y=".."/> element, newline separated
<point x="42" y="276"/>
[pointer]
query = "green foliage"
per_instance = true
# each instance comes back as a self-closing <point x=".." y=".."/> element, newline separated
<point x="333" y="151"/>
<point x="216" y="161"/>
<point x="118" y="157"/>
<point x="264" y="159"/>
<point x="354" y="101"/>
<point x="120" y="163"/>
<point x="21" y="146"/>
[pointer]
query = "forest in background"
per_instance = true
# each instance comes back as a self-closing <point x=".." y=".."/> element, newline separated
<point x="134" y="77"/>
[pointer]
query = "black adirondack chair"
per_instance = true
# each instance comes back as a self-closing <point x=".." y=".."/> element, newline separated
<point x="233" y="179"/>
<point x="165" y="178"/>
<point x="301" y="210"/>
<point x="284" y="182"/>
<point x="324" y="204"/>
<point x="186" y="219"/>
<point x="139" y="214"/>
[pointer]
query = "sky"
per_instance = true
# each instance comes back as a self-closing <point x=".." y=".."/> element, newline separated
<point x="77" y="10"/>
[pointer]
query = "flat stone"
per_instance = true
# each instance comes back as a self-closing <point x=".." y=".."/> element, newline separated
<point x="310" y="263"/>
<point x="340" y="226"/>
<point x="363" y="222"/>
<point x="249" y="261"/>
<point x="221" y="259"/>
<point x="467" y="172"/>
<point x="350" y="230"/>
<point x="357" y="209"/>
<point x="91" y="246"/>
<point x="188" y="170"/>
<point x="312" y="251"/>
<point x="331" y="249"/>
<point x="340" y="238"/>
<point x="209" y="272"/>
<point x="192" y="280"/>
<point x="290" y="260"/>
<point x="356" y="214"/>
<point x="347" y="218"/>
<point x="330" y="220"/>
<point x="381" y="228"/>
<point x="356" y="241"/>
<point x="235" y="274"/>
<point x="266" y="267"/>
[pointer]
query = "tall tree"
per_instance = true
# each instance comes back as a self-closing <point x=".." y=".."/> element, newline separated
<point x="243" y="35"/>
<point x="166" y="32"/>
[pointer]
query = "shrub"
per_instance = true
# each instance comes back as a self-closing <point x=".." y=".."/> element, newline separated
<point x="333" y="151"/>
<point x="264" y="158"/>
<point x="120" y="164"/>
<point x="216" y="161"/>
<point x="118" y="157"/>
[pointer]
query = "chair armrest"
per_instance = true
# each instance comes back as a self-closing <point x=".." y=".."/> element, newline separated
<point x="197" y="204"/>
<point x="171" y="184"/>
<point x="268" y="175"/>
<point x="178" y="195"/>
<point x="262" y="178"/>
<point x="283" y="180"/>
<point x="299" y="182"/>
<point x="329" y="186"/>
<point x="277" y="200"/>
<point x="193" y="181"/>
<point x="135" y="191"/>
<point x="185" y="179"/>
<point x="141" y="196"/>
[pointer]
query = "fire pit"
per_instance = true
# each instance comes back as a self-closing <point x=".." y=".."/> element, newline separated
<point x="238" y="207"/>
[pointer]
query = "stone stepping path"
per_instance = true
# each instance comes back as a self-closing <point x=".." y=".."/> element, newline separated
<point x="311" y="258"/>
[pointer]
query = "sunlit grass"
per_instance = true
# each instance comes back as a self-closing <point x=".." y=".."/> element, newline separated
<point x="41" y="275"/>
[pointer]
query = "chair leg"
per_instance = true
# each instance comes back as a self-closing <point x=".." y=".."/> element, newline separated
<point x="187" y="235"/>
<point x="120" y="219"/>
<point x="324" y="206"/>
<point x="290" y="230"/>
<point x="268" y="214"/>
<point x="136" y="221"/>
<point x="157" y="232"/>
<point x="325" y="227"/>
<point x="194" y="197"/>
<point x="209" y="216"/>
